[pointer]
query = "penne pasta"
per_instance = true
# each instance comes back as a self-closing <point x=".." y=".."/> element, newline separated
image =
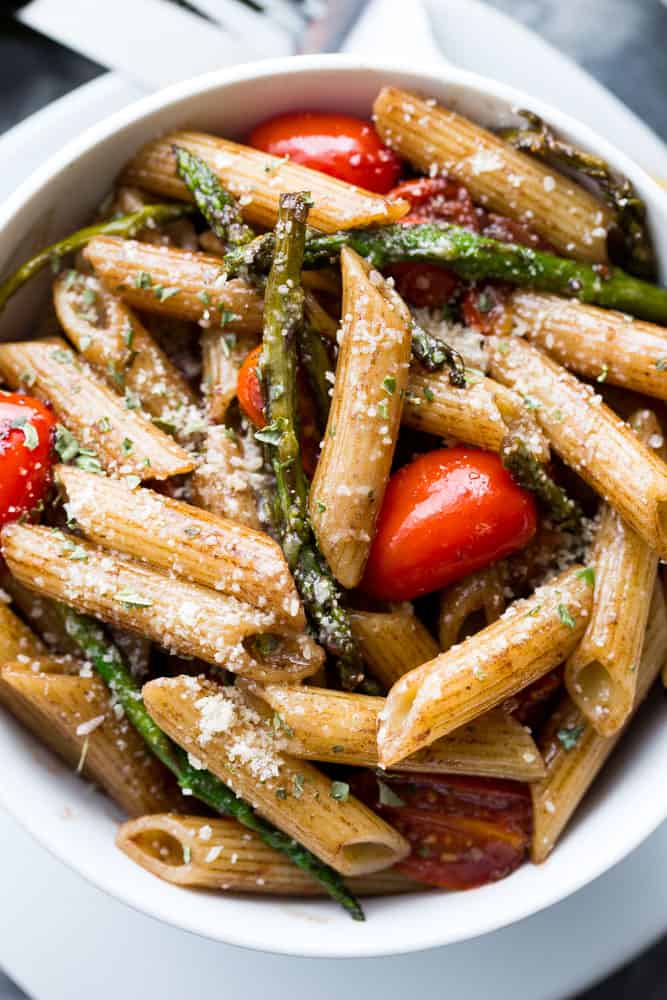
<point x="113" y="340"/>
<point x="221" y="483"/>
<point x="437" y="139"/>
<point x="259" y="179"/>
<point x="597" y="343"/>
<point x="574" y="752"/>
<point x="479" y="414"/>
<point x="219" y="727"/>
<point x="186" y="618"/>
<point x="222" y="360"/>
<point x="176" y="283"/>
<point x="587" y="435"/>
<point x="480" y="593"/>
<point x="532" y="637"/>
<point x="392" y="642"/>
<point x="74" y="716"/>
<point x="341" y="728"/>
<point x="198" y="546"/>
<point x="363" y="423"/>
<point x="601" y="675"/>
<point x="124" y="442"/>
<point x="17" y="641"/>
<point x="220" y="854"/>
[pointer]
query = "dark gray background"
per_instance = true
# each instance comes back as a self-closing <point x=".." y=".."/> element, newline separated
<point x="621" y="42"/>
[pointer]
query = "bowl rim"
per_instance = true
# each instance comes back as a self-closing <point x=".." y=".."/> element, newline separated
<point x="38" y="181"/>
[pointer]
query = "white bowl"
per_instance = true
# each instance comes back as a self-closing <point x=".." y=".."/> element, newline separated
<point x="69" y="817"/>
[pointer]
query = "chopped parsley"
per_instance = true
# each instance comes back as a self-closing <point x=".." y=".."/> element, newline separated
<point x="429" y="394"/>
<point x="227" y="316"/>
<point x="204" y="298"/>
<point x="484" y="302"/>
<point x="104" y="425"/>
<point x="389" y="384"/>
<point x="566" y="617"/>
<point x="340" y="791"/>
<point x="569" y="737"/>
<point x="131" y="599"/>
<point x="271" y="434"/>
<point x="128" y="445"/>
<point x="661" y="364"/>
<point x="162" y="294"/>
<point x="143" y="280"/>
<point x="30" y="435"/>
<point x="587" y="574"/>
<point x="67" y="445"/>
<point x="297" y="785"/>
<point x="388" y="796"/>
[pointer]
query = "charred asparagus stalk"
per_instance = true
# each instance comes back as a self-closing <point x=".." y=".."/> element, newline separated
<point x="111" y="667"/>
<point x="124" y="225"/>
<point x="473" y="257"/>
<point x="219" y="207"/>
<point x="528" y="472"/>
<point x="283" y="320"/>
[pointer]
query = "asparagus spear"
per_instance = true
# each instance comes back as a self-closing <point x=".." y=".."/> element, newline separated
<point x="315" y="361"/>
<point x="538" y="140"/>
<point x="433" y="353"/>
<point x="219" y="207"/>
<point x="283" y="319"/>
<point x="474" y="257"/>
<point x="124" y="225"/>
<point x="525" y="469"/>
<point x="111" y="667"/>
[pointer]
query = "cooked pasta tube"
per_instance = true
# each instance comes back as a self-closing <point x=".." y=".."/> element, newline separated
<point x="532" y="637"/>
<point x="111" y="337"/>
<point x="339" y="727"/>
<point x="175" y="283"/>
<point x="499" y="177"/>
<point x="222" y="358"/>
<point x="221" y="854"/>
<point x="259" y="179"/>
<point x="124" y="442"/>
<point x="479" y="414"/>
<point x="218" y="726"/>
<point x="74" y="716"/>
<point x="574" y="752"/>
<point x="597" y="343"/>
<point x="596" y="443"/>
<point x="480" y="592"/>
<point x="17" y="641"/>
<point x="364" y="419"/>
<point x="220" y="483"/>
<point x="198" y="546"/>
<point x="184" y="617"/>
<point x="392" y="642"/>
<point x="601" y="675"/>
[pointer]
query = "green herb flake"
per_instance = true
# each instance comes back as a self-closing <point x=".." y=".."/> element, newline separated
<point x="278" y="725"/>
<point x="661" y="364"/>
<point x="127" y="446"/>
<point x="389" y="384"/>
<point x="281" y="793"/>
<point x="340" y="791"/>
<point x="484" y="302"/>
<point x="89" y="462"/>
<point x="271" y="434"/>
<point x="569" y="737"/>
<point x="70" y="279"/>
<point x="67" y="445"/>
<point x="227" y="316"/>
<point x="429" y="394"/>
<point x="104" y="425"/>
<point x="28" y="379"/>
<point x="64" y="357"/>
<point x="131" y="599"/>
<point x="535" y="611"/>
<point x="587" y="574"/>
<point x="30" y="435"/>
<point x="383" y="409"/>
<point x="191" y="531"/>
<point x="128" y="335"/>
<point x="73" y="551"/>
<point x="162" y="294"/>
<point x="566" y="617"/>
<point x="143" y="280"/>
<point x="321" y="507"/>
<point x="131" y="400"/>
<point x="388" y="796"/>
<point x="338" y="748"/>
<point x="530" y="403"/>
<point x="297" y="785"/>
<point x="164" y="425"/>
<point x="204" y="298"/>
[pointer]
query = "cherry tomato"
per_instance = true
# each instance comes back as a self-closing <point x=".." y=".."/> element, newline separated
<point x="484" y="308"/>
<point x="438" y="199"/>
<point x="339" y="145"/>
<point x="530" y="705"/>
<point x="464" y="832"/>
<point x="26" y="437"/>
<point x="444" y="515"/>
<point x="505" y="230"/>
<point x="251" y="401"/>
<point x="424" y="284"/>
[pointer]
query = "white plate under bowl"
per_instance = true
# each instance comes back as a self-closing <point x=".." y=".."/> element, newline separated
<point x="624" y="807"/>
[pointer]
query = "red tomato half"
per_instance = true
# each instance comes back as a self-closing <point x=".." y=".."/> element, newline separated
<point x="464" y="832"/>
<point x="26" y="433"/>
<point x="339" y="145"/>
<point x="446" y="514"/>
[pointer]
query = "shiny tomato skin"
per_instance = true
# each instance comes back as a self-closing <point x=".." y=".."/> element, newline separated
<point x="249" y="389"/>
<point x="424" y="285"/>
<point x="26" y="443"/>
<point x="339" y="145"/>
<point x="445" y="515"/>
<point x="464" y="832"/>
<point x="438" y="199"/>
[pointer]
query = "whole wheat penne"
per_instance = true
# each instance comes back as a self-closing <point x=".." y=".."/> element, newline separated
<point x="601" y="675"/>
<point x="479" y="414"/>
<point x="258" y="179"/>
<point x="74" y="716"/>
<point x="432" y="138"/>
<point x="176" y="283"/>
<point x="221" y="854"/>
<point x="482" y="592"/>
<point x="179" y="233"/>
<point x="196" y="545"/>
<point x="339" y="727"/>
<point x="596" y="443"/>
<point x="184" y="617"/>
<point x="220" y="483"/>
<point x="111" y="337"/>
<point x="574" y="752"/>
<point x="596" y="343"/>
<point x="222" y="356"/>
<point x="363" y="423"/>
<point x="532" y="637"/>
<point x="392" y="642"/>
<point x="125" y="442"/>
<point x="17" y="641"/>
<point x="218" y="726"/>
